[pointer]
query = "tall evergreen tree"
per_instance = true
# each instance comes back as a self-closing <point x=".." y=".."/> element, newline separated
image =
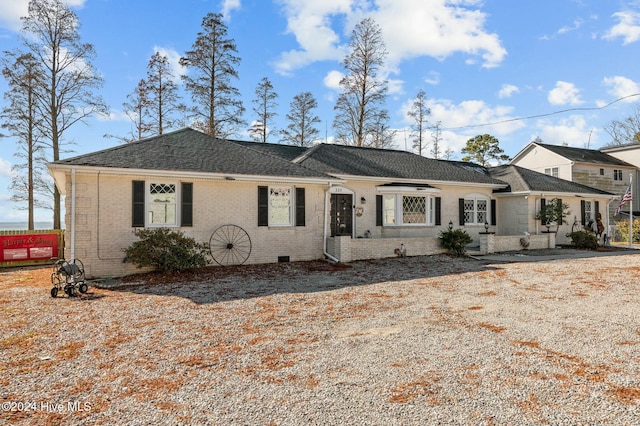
<point x="136" y="108"/>
<point x="301" y="129"/>
<point x="436" y="138"/>
<point x="419" y="112"/>
<point x="21" y="119"/>
<point x="482" y="149"/>
<point x="212" y="66"/>
<point x="69" y="80"/>
<point x="164" y="106"/>
<point x="359" y="107"/>
<point x="265" y="104"/>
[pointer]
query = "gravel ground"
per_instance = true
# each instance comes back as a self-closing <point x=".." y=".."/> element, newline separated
<point x="407" y="341"/>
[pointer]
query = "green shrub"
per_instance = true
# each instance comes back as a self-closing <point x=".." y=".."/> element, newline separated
<point x="456" y="241"/>
<point x="166" y="250"/>
<point x="584" y="240"/>
<point x="622" y="231"/>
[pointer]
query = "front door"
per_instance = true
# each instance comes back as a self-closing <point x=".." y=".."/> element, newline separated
<point x="341" y="214"/>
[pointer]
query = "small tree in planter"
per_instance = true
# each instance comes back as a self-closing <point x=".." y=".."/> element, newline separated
<point x="553" y="212"/>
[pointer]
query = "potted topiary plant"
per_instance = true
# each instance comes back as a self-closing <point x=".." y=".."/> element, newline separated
<point x="553" y="213"/>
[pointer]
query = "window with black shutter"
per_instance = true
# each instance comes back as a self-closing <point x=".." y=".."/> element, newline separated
<point x="186" y="208"/>
<point x="137" y="216"/>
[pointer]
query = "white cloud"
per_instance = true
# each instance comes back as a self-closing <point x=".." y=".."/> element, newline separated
<point x="507" y="91"/>
<point x="628" y="27"/>
<point x="174" y="61"/>
<point x="564" y="94"/>
<point x="433" y="78"/>
<point x="456" y="119"/>
<point x="620" y="87"/>
<point x="437" y="29"/>
<point x="12" y="10"/>
<point x="229" y="6"/>
<point x="5" y="168"/>
<point x="332" y="80"/>
<point x="573" y="130"/>
<point x="310" y="23"/>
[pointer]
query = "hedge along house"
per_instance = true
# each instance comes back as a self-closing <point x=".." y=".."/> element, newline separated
<point x="339" y="202"/>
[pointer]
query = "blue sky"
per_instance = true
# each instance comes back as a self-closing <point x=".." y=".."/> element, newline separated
<point x="479" y="62"/>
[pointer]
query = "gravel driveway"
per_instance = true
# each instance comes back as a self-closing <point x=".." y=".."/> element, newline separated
<point x="407" y="341"/>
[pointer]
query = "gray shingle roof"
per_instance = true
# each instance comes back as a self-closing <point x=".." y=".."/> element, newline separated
<point x="525" y="180"/>
<point x="192" y="151"/>
<point x="583" y="155"/>
<point x="287" y="152"/>
<point x="385" y="163"/>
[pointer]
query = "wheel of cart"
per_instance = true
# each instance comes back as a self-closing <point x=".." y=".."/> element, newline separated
<point x="68" y="276"/>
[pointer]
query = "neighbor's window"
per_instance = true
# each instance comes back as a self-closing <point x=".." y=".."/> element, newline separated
<point x="161" y="207"/>
<point x="553" y="171"/>
<point x="401" y="209"/>
<point x="476" y="211"/>
<point x="617" y="175"/>
<point x="279" y="206"/>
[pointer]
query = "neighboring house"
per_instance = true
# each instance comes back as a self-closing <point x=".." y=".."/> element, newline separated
<point x="341" y="202"/>
<point x="630" y="153"/>
<point x="594" y="168"/>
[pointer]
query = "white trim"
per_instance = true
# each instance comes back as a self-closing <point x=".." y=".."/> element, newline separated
<point x="396" y="189"/>
<point x="417" y="181"/>
<point x="148" y="202"/>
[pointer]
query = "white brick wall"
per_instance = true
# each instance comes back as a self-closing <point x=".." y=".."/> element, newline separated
<point x="104" y="209"/>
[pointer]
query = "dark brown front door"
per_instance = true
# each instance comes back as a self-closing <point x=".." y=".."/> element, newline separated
<point x="341" y="214"/>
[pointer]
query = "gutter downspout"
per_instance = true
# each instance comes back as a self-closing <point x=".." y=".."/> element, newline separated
<point x="73" y="213"/>
<point x="327" y="194"/>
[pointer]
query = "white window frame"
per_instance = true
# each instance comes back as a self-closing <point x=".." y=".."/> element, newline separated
<point x="487" y="212"/>
<point x="552" y="171"/>
<point x="149" y="203"/>
<point x="393" y="209"/>
<point x="291" y="206"/>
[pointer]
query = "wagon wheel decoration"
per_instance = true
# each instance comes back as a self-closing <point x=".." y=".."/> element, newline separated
<point x="230" y="245"/>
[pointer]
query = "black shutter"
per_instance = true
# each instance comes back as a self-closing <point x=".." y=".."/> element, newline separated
<point x="300" y="210"/>
<point x="137" y="215"/>
<point x="438" y="211"/>
<point x="263" y="206"/>
<point x="494" y="215"/>
<point x="583" y="212"/>
<point x="461" y="211"/>
<point x="186" y="208"/>
<point x="378" y="210"/>
<point x="597" y="204"/>
<point x="543" y="204"/>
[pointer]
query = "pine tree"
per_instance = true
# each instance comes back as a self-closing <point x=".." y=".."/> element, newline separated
<point x="165" y="110"/>
<point x="212" y="65"/>
<point x="21" y="119"/>
<point x="359" y="106"/>
<point x="265" y="104"/>
<point x="301" y="130"/>
<point x="51" y="35"/>
<point x="482" y="149"/>
<point x="419" y="113"/>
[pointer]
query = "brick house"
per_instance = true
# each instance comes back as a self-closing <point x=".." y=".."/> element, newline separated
<point x="291" y="203"/>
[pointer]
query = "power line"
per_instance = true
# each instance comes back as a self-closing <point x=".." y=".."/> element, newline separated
<point x="471" y="126"/>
